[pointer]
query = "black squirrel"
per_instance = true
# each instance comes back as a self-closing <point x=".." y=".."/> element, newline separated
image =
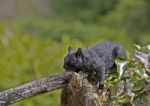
<point x="100" y="58"/>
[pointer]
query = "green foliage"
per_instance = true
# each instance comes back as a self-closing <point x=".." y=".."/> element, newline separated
<point x="132" y="16"/>
<point x="25" y="58"/>
<point x="131" y="86"/>
<point x="84" y="10"/>
<point x="57" y="28"/>
<point x="120" y="66"/>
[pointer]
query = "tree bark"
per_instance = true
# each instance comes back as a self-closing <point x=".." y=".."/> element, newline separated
<point x="80" y="92"/>
<point x="34" y="88"/>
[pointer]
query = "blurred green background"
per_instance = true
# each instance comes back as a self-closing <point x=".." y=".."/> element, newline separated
<point x="35" y="34"/>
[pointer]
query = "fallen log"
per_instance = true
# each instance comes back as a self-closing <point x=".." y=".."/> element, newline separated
<point x="34" y="88"/>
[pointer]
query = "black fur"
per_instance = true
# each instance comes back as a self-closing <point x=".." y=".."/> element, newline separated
<point x="100" y="58"/>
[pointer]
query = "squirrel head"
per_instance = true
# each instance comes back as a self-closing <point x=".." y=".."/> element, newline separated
<point x="74" y="60"/>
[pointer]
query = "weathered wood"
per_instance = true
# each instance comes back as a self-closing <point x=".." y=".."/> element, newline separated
<point x="79" y="92"/>
<point x="34" y="88"/>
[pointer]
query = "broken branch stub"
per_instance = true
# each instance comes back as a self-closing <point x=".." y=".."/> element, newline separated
<point x="79" y="92"/>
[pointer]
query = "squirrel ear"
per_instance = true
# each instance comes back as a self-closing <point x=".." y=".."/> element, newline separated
<point x="79" y="52"/>
<point x="70" y="49"/>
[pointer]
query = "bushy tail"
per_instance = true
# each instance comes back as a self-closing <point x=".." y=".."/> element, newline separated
<point x="120" y="52"/>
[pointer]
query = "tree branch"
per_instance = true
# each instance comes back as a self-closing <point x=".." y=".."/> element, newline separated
<point x="33" y="88"/>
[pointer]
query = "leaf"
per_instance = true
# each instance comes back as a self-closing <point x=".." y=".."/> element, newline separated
<point x="142" y="58"/>
<point x="142" y="73"/>
<point x="138" y="47"/>
<point x="121" y="65"/>
<point x="146" y="89"/>
<point x="121" y="88"/>
<point x="124" y="101"/>
<point x="148" y="47"/>
<point x="145" y="49"/>
<point x="129" y="89"/>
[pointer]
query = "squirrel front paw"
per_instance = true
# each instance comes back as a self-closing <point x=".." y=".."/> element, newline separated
<point x="101" y="86"/>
